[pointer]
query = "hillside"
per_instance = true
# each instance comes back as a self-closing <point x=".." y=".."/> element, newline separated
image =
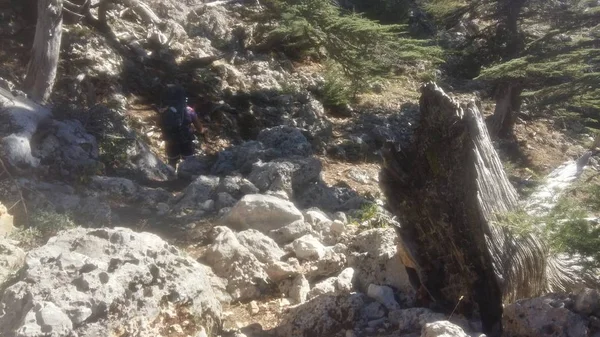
<point x="327" y="154"/>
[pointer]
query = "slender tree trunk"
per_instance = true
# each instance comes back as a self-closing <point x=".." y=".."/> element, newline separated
<point x="507" y="32"/>
<point x="508" y="103"/>
<point x="41" y="71"/>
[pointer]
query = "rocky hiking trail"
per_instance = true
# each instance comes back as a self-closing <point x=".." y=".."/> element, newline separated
<point x="278" y="227"/>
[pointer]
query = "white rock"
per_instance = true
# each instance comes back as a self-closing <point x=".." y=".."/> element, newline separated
<point x="12" y="259"/>
<point x="263" y="247"/>
<point x="442" y="329"/>
<point x="383" y="295"/>
<point x="291" y="232"/>
<point x="344" y="280"/>
<point x="234" y="262"/>
<point x="81" y="272"/>
<point x="337" y="227"/>
<point x="327" y="286"/>
<point x="262" y="212"/>
<point x="316" y="217"/>
<point x="341" y="216"/>
<point x="308" y="247"/>
<point x="6" y="222"/>
<point x="375" y="259"/>
<point x="300" y="289"/>
<point x="253" y="307"/>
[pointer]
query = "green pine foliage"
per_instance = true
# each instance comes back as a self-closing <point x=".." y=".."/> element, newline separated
<point x="559" y="71"/>
<point x="364" y="50"/>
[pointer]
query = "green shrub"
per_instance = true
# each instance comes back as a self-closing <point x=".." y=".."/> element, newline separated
<point x="42" y="226"/>
<point x="566" y="228"/>
<point x="363" y="50"/>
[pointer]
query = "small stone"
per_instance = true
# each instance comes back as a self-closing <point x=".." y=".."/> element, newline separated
<point x="284" y="302"/>
<point x="344" y="280"/>
<point x="383" y="295"/>
<point x="350" y="333"/>
<point x="337" y="227"/>
<point x="308" y="247"/>
<point x="176" y="328"/>
<point x="442" y="329"/>
<point x="253" y="308"/>
<point x="300" y="289"/>
<point x="208" y="205"/>
<point x="341" y="216"/>
<point x="162" y="208"/>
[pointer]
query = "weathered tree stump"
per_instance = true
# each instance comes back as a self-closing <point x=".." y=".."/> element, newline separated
<point x="447" y="189"/>
<point x="443" y="189"/>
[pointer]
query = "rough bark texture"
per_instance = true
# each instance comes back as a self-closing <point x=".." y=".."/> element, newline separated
<point x="443" y="189"/>
<point x="41" y="71"/>
<point x="447" y="189"/>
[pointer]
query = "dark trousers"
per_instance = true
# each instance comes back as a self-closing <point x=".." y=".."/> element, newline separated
<point x="177" y="150"/>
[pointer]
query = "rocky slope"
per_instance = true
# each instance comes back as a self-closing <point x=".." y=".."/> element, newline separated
<point x="266" y="246"/>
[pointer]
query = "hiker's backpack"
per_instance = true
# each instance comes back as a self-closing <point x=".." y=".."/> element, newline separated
<point x="173" y="117"/>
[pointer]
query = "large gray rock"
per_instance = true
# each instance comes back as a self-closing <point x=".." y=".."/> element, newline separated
<point x="375" y="258"/>
<point x="12" y="259"/>
<point x="19" y="121"/>
<point x="587" y="301"/>
<point x="260" y="245"/>
<point x="212" y="22"/>
<point x="383" y="295"/>
<point x="107" y="281"/>
<point x="272" y="143"/>
<point x="194" y="166"/>
<point x="236" y="186"/>
<point x="145" y="164"/>
<point x="308" y="247"/>
<point x="326" y="315"/>
<point x="249" y="260"/>
<point x="291" y="232"/>
<point x="196" y="194"/>
<point x="287" y="141"/>
<point x="66" y="147"/>
<point x="263" y="213"/>
<point x="285" y="174"/>
<point x="246" y="275"/>
<point x="543" y="316"/>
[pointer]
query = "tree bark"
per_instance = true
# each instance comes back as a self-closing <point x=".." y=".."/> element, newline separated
<point x="444" y="188"/>
<point x="41" y="71"/>
<point x="447" y="189"/>
<point x="507" y="31"/>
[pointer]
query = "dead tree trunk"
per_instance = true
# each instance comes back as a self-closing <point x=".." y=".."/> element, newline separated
<point x="444" y="189"/>
<point x="41" y="71"/>
<point x="447" y="189"/>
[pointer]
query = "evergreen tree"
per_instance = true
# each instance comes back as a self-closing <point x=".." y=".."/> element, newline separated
<point x="559" y="71"/>
<point x="364" y="50"/>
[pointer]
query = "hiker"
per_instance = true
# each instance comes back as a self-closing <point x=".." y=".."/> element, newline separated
<point x="178" y="122"/>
